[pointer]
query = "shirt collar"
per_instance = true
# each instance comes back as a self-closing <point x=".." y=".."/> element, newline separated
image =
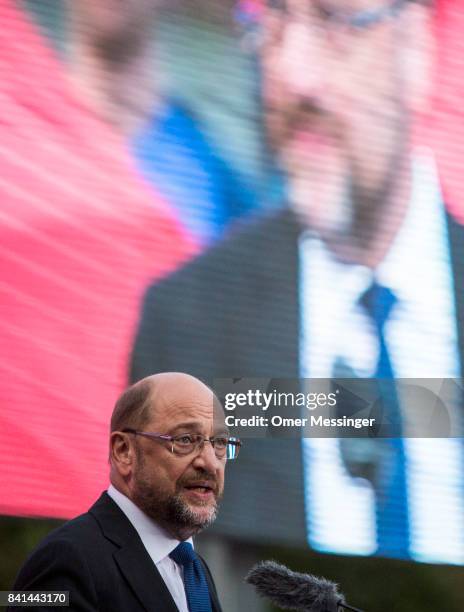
<point x="160" y="543"/>
<point x="420" y="245"/>
<point x="415" y="257"/>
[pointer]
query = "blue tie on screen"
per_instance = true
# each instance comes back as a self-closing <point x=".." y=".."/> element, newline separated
<point x="196" y="587"/>
<point x="392" y="501"/>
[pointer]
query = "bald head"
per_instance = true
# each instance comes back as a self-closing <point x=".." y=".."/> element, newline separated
<point x="138" y="404"/>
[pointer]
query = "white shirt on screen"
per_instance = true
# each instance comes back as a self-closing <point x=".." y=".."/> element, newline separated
<point x="421" y="336"/>
<point x="159" y="545"/>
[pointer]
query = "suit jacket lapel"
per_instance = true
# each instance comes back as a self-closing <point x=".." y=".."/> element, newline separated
<point x="212" y="589"/>
<point x="268" y="320"/>
<point x="132" y="558"/>
<point x="262" y="340"/>
<point x="143" y="576"/>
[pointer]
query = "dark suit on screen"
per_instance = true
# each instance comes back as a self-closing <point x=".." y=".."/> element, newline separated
<point x="100" y="559"/>
<point x="235" y="312"/>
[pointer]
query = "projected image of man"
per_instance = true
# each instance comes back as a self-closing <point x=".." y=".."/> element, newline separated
<point x="361" y="276"/>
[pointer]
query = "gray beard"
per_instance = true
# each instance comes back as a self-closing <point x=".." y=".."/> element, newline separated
<point x="183" y="517"/>
<point x="172" y="513"/>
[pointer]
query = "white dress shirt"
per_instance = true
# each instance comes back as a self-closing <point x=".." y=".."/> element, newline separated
<point x="421" y="336"/>
<point x="158" y="544"/>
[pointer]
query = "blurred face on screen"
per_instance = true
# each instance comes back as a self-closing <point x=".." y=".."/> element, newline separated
<point x="342" y="79"/>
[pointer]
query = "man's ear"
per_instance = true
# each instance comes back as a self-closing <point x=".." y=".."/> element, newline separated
<point x="419" y="57"/>
<point x="121" y="453"/>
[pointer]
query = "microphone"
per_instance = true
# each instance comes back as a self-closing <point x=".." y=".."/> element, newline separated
<point x="294" y="591"/>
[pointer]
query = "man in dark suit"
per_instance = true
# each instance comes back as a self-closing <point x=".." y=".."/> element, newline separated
<point x="361" y="276"/>
<point x="133" y="549"/>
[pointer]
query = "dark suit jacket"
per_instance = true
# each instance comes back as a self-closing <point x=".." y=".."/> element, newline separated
<point x="234" y="312"/>
<point x="100" y="559"/>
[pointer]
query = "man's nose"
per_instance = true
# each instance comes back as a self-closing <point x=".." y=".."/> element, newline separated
<point x="206" y="457"/>
<point x="306" y="60"/>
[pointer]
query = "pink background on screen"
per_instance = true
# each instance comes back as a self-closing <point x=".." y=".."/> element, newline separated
<point x="447" y="124"/>
<point x="80" y="238"/>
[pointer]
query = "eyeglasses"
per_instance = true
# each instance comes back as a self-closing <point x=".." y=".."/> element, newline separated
<point x="225" y="447"/>
<point x="328" y="18"/>
<point x="351" y="18"/>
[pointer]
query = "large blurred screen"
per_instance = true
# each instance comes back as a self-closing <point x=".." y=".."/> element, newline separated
<point x="235" y="189"/>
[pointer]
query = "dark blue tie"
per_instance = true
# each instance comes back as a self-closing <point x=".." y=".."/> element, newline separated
<point x="196" y="587"/>
<point x="392" y="501"/>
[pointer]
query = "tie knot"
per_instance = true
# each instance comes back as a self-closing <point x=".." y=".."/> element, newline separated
<point x="183" y="553"/>
<point x="378" y="302"/>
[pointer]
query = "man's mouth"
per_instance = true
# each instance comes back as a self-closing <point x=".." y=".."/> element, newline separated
<point x="312" y="136"/>
<point x="202" y="489"/>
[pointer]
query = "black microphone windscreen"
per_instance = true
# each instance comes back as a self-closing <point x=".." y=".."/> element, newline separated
<point x="294" y="591"/>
